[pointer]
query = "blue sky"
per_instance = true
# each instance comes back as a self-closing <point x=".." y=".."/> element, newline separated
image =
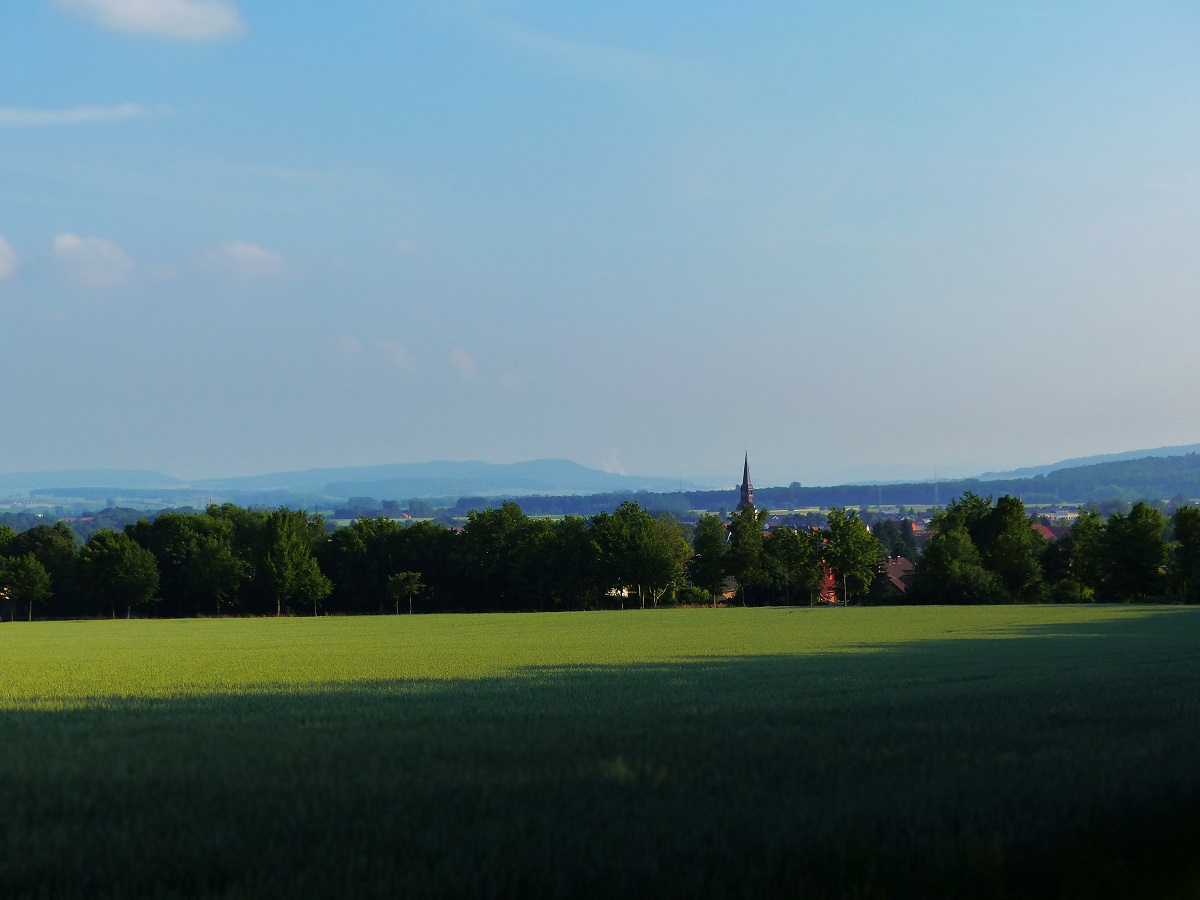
<point x="860" y="239"/>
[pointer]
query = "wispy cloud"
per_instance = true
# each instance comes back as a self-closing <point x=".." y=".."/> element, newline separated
<point x="13" y="117"/>
<point x="179" y="20"/>
<point x="590" y="60"/>
<point x="463" y="362"/>
<point x="396" y="353"/>
<point x="91" y="261"/>
<point x="8" y="259"/>
<point x="246" y="260"/>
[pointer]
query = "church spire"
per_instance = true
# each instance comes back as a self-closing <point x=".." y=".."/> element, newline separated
<point x="747" y="498"/>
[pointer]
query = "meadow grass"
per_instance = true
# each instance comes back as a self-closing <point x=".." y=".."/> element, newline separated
<point x="952" y="751"/>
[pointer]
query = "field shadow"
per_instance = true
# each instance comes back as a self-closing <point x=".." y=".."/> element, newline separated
<point x="1046" y="763"/>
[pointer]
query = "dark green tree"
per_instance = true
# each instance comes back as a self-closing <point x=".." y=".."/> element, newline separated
<point x="360" y="558"/>
<point x="430" y="549"/>
<point x="794" y="557"/>
<point x="57" y="549"/>
<point x="663" y="557"/>
<point x="289" y="564"/>
<point x="573" y="564"/>
<point x="404" y="584"/>
<point x="199" y="569"/>
<point x="502" y="552"/>
<point x="950" y="570"/>
<point x="24" y="581"/>
<point x="620" y="536"/>
<point x="747" y="563"/>
<point x="1009" y="547"/>
<point x="1135" y="554"/>
<point x="710" y="555"/>
<point x="1185" y="572"/>
<point x="118" y="573"/>
<point x="249" y="547"/>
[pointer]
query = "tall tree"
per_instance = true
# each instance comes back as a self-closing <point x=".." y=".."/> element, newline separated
<point x="710" y="555"/>
<point x="1087" y="544"/>
<point x="502" y="552"/>
<point x="1186" y="570"/>
<point x="664" y="556"/>
<point x="573" y="563"/>
<point x="747" y="563"/>
<point x="118" y="572"/>
<point x="851" y="552"/>
<point x="24" y="581"/>
<point x="950" y="570"/>
<point x="795" y="559"/>
<point x="199" y="570"/>
<point x="619" y="536"/>
<point x="1135" y="553"/>
<point x="289" y="564"/>
<point x="360" y="558"/>
<point x="404" y="584"/>
<point x="1009" y="547"/>
<point x="57" y="549"/>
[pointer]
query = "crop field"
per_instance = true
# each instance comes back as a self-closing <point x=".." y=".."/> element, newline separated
<point x="894" y="752"/>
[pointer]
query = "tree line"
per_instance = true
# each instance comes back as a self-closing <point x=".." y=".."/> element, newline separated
<point x="229" y="560"/>
<point x="984" y="551"/>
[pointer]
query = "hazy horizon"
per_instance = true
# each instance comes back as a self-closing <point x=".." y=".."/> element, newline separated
<point x="866" y="243"/>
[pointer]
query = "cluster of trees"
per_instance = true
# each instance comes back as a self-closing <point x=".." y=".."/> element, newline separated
<point x="232" y="560"/>
<point x="985" y="551"/>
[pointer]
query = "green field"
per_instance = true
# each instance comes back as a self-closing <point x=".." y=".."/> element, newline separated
<point x="995" y="751"/>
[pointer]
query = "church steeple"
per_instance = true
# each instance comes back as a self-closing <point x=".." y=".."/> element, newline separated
<point x="747" y="498"/>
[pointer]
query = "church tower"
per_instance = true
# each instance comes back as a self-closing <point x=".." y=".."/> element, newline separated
<point x="747" y="498"/>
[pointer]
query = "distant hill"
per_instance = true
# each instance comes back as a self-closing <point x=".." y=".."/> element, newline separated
<point x="561" y="486"/>
<point x="400" y="481"/>
<point x="1080" y="461"/>
<point x="445" y="478"/>
<point x="23" y="482"/>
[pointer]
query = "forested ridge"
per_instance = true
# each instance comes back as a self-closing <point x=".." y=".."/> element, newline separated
<point x="229" y="560"/>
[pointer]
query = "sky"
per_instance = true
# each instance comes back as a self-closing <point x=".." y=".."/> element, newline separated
<point x="860" y="240"/>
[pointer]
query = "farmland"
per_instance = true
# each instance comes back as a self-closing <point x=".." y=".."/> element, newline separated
<point x="986" y="751"/>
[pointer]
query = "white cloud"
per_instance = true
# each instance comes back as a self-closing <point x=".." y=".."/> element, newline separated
<point x="181" y="20"/>
<point x="13" y="117"/>
<point x="463" y="361"/>
<point x="8" y="259"/>
<point x="91" y="261"/>
<point x="396" y="353"/>
<point x="246" y="260"/>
